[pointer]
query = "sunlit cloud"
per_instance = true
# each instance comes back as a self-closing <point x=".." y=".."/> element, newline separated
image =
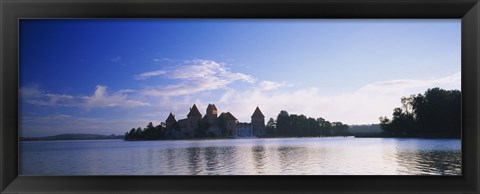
<point x="101" y="99"/>
<point x="195" y="76"/>
<point x="402" y="85"/>
<point x="270" y="85"/>
<point x="362" y="106"/>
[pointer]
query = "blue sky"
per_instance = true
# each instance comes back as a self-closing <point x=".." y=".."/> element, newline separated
<point x="107" y="76"/>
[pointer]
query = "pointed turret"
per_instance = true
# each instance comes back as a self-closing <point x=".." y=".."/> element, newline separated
<point x="194" y="112"/>
<point x="212" y="109"/>
<point x="171" y="118"/>
<point x="211" y="114"/>
<point x="257" y="113"/>
<point x="258" y="123"/>
<point x="170" y="125"/>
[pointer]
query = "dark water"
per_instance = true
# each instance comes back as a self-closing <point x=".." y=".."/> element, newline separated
<point x="297" y="156"/>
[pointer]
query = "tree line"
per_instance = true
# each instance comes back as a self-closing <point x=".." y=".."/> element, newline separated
<point x="159" y="132"/>
<point x="286" y="125"/>
<point x="148" y="133"/>
<point x="436" y="113"/>
<point x="292" y="125"/>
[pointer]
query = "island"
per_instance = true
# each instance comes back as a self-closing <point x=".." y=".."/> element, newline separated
<point x="434" y="114"/>
<point x="227" y="126"/>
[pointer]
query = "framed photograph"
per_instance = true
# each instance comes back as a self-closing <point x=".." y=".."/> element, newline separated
<point x="253" y="96"/>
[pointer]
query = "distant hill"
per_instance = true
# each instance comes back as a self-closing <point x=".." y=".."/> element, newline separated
<point x="72" y="137"/>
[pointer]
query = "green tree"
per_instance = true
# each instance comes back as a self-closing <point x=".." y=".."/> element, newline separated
<point x="271" y="127"/>
<point x="436" y="113"/>
<point x="313" y="127"/>
<point x="340" y="129"/>
<point x="139" y="133"/>
<point x="130" y="135"/>
<point x="149" y="131"/>
<point x="283" y="123"/>
<point x="325" y="127"/>
<point x="159" y="132"/>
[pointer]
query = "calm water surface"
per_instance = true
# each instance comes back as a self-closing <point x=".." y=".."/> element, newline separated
<point x="284" y="156"/>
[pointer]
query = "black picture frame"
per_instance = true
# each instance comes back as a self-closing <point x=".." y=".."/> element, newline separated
<point x="12" y="10"/>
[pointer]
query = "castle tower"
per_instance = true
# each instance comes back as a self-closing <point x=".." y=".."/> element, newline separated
<point x="228" y="123"/>
<point x="194" y="113"/>
<point x="211" y="114"/>
<point x="258" y="123"/>
<point x="170" y="125"/>
<point x="192" y="118"/>
<point x="170" y="121"/>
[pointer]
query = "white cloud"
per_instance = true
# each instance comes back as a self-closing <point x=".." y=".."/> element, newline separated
<point x="403" y="85"/>
<point x="100" y="98"/>
<point x="150" y="74"/>
<point x="362" y="106"/>
<point x="124" y="91"/>
<point x="270" y="85"/>
<point x="33" y="95"/>
<point x="197" y="76"/>
<point x="30" y="91"/>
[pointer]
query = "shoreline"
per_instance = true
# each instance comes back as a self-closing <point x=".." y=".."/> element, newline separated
<point x="231" y="138"/>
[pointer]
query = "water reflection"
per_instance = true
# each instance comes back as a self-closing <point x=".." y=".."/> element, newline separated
<point x="291" y="159"/>
<point x="259" y="155"/>
<point x="314" y="156"/>
<point x="194" y="160"/>
<point x="430" y="162"/>
<point x="170" y="158"/>
<point x="228" y="156"/>
<point x="211" y="159"/>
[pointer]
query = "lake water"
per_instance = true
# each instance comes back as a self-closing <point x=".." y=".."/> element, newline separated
<point x="282" y="156"/>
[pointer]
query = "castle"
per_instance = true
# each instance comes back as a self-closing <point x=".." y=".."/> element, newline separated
<point x="214" y="125"/>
